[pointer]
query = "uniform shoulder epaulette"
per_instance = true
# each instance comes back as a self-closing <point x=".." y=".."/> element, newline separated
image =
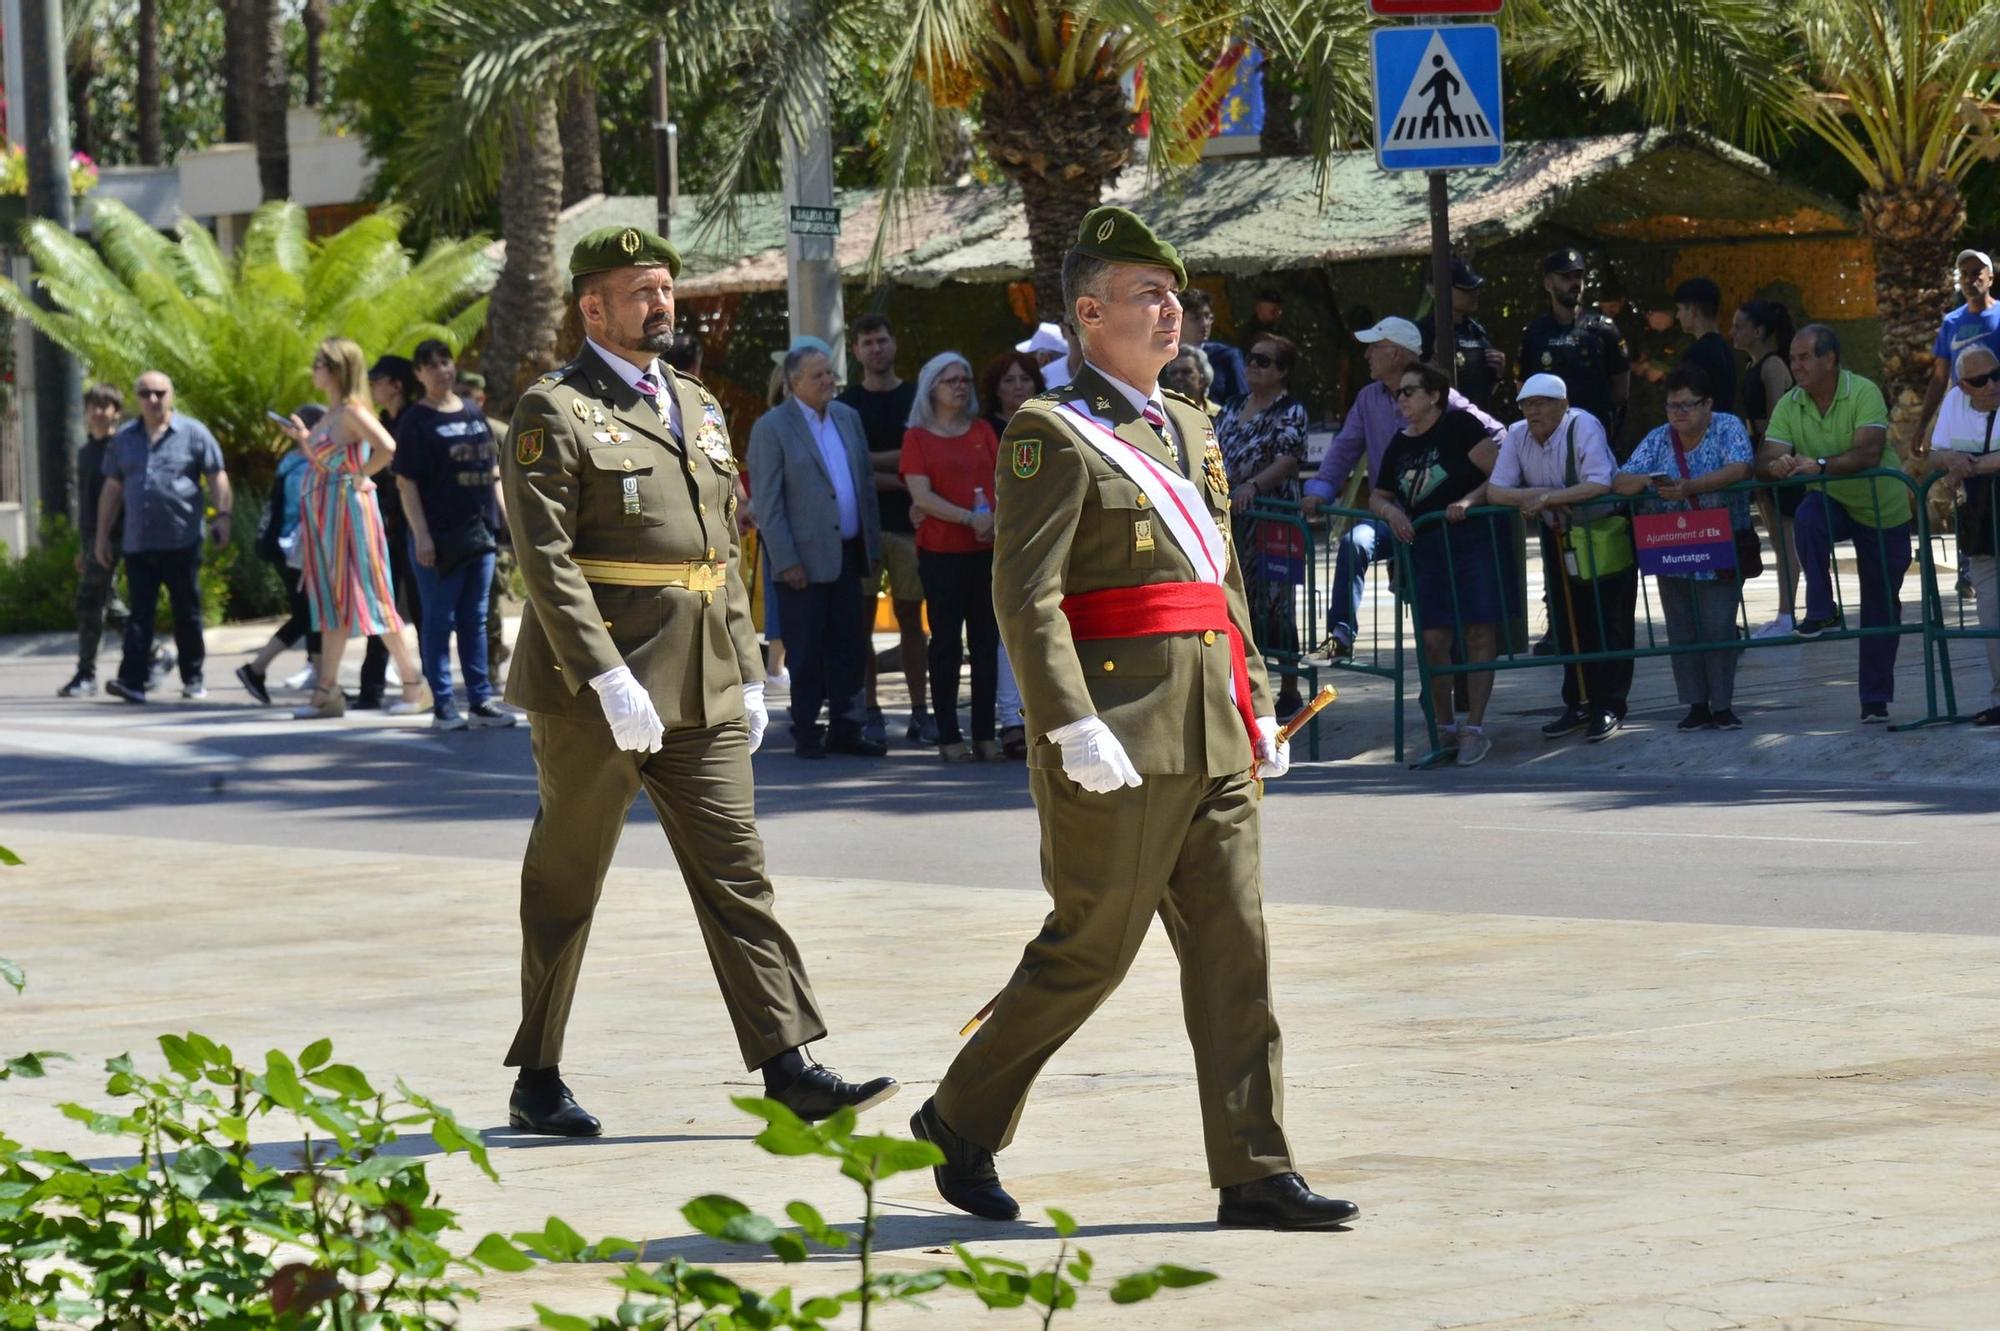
<point x="1181" y="398"/>
<point x="558" y="374"/>
<point x="1048" y="399"/>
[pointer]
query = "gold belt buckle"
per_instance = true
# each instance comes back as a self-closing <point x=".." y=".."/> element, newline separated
<point x="704" y="578"/>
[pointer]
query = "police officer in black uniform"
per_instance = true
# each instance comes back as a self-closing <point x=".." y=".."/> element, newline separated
<point x="1480" y="364"/>
<point x="1580" y="345"/>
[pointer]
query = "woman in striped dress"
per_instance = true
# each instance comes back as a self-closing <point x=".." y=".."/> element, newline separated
<point x="345" y="564"/>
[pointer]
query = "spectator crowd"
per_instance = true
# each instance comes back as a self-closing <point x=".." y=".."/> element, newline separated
<point x="385" y="512"/>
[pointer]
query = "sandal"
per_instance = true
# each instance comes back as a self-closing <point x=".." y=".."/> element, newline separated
<point x="327" y="703"/>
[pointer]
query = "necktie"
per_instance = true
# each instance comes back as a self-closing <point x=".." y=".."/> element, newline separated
<point x="1156" y="418"/>
<point x="650" y="389"/>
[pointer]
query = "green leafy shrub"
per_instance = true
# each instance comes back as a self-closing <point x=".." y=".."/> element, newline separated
<point x="38" y="586"/>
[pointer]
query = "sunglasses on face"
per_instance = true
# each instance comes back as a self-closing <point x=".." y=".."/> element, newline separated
<point x="1683" y="408"/>
<point x="152" y="392"/>
<point x="1978" y="380"/>
<point x="1408" y="391"/>
<point x="1260" y="360"/>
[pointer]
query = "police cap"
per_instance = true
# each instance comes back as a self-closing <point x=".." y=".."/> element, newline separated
<point x="1564" y="261"/>
<point x="1116" y="235"/>
<point x="611" y="247"/>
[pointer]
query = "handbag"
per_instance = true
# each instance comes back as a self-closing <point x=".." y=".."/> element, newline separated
<point x="1749" y="548"/>
<point x="462" y="544"/>
<point x="1599" y="547"/>
<point x="1975" y="520"/>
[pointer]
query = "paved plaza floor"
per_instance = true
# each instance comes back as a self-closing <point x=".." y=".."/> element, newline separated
<point x="1548" y="1122"/>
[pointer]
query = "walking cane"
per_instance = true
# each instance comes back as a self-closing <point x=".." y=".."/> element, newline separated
<point x="1569" y="613"/>
<point x="1300" y="720"/>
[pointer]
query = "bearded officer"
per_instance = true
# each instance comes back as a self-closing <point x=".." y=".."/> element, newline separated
<point x="1124" y="615"/>
<point x="638" y="668"/>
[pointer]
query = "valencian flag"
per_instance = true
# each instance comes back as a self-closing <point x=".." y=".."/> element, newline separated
<point x="1229" y="103"/>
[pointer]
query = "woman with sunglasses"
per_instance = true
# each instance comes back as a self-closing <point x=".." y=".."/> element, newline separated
<point x="1439" y="464"/>
<point x="1263" y="440"/>
<point x="949" y="456"/>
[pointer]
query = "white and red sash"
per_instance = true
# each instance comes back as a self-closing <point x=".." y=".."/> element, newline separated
<point x="1179" y="503"/>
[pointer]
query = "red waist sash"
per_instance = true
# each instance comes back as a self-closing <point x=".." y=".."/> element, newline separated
<point x="1166" y="607"/>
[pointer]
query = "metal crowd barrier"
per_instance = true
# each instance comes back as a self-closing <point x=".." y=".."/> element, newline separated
<point x="1944" y="627"/>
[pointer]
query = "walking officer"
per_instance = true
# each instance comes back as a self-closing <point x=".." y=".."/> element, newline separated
<point x="1123" y="612"/>
<point x="1580" y="346"/>
<point x="638" y="669"/>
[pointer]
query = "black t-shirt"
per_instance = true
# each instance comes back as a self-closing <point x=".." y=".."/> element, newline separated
<point x="451" y="458"/>
<point x="1431" y="471"/>
<point x="1474" y="376"/>
<point x="884" y="417"/>
<point x="1587" y="354"/>
<point x="1756" y="402"/>
<point x="1717" y="359"/>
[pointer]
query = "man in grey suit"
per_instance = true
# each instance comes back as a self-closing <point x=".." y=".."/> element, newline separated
<point x="812" y="485"/>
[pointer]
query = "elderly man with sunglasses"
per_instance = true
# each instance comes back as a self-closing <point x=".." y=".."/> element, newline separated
<point x="1965" y="446"/>
<point x="153" y="470"/>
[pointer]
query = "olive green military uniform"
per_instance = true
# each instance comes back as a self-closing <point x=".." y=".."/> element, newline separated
<point x="626" y="536"/>
<point x="1185" y="843"/>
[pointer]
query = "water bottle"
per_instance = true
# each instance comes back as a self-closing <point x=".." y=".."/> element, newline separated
<point x="979" y="506"/>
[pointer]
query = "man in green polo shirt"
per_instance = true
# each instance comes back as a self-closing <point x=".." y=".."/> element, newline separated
<point x="1835" y="423"/>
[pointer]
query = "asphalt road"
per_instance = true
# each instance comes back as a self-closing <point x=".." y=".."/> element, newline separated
<point x="1805" y="852"/>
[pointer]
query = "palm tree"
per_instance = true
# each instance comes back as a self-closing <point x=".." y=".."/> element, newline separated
<point x="528" y="299"/>
<point x="237" y="334"/>
<point x="1903" y="91"/>
<point x="581" y="131"/>
<point x="150" y="149"/>
<point x="274" y="88"/>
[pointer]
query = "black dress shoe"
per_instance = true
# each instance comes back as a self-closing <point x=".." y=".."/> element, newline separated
<point x="1282" y="1201"/>
<point x="818" y="1092"/>
<point x="546" y="1106"/>
<point x="967" y="1178"/>
<point x="857" y="745"/>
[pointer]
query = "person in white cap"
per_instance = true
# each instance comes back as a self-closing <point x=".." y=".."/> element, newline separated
<point x="1551" y="464"/>
<point x="1973" y="324"/>
<point x="1371" y="425"/>
<point x="1053" y="346"/>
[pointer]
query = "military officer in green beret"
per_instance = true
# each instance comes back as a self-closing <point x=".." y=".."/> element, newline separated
<point x="638" y="668"/>
<point x="1124" y="615"/>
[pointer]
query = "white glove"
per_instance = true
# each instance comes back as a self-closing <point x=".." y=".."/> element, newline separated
<point x="1093" y="757"/>
<point x="1274" y="758"/>
<point x="754" y="714"/>
<point x="629" y="709"/>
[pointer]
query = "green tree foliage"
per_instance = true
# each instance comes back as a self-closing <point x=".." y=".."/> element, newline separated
<point x="236" y="334"/>
<point x="191" y="76"/>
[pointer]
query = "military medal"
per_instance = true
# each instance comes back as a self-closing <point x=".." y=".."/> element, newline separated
<point x="577" y="409"/>
<point x="632" y="496"/>
<point x="1142" y="536"/>
<point x="604" y="437"/>
<point x="1212" y="468"/>
<point x="596" y="416"/>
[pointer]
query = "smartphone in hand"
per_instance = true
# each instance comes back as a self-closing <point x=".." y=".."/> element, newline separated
<point x="277" y="419"/>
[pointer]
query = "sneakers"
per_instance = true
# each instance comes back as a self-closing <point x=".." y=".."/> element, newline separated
<point x="875" y="729"/>
<point x="1780" y="627"/>
<point x="307" y="679"/>
<point x="1812" y="628"/>
<point x="1602" y="726"/>
<point x="446" y="717"/>
<point x="1340" y="644"/>
<point x="922" y="730"/>
<point x="194" y="690"/>
<point x="1473" y="746"/>
<point x="1728" y="720"/>
<point x="1874" y="713"/>
<point x="1698" y="718"/>
<point x="118" y="688"/>
<point x="490" y="715"/>
<point x="1571" y="721"/>
<point x="80" y="686"/>
<point x="1989" y="717"/>
<point x="162" y="665"/>
<point x="252" y="680"/>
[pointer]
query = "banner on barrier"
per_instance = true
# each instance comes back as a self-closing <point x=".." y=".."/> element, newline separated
<point x="1281" y="551"/>
<point x="1678" y="544"/>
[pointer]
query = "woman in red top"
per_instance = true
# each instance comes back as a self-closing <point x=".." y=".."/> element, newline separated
<point x="948" y="459"/>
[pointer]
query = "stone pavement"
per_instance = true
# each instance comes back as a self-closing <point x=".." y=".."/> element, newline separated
<point x="1549" y="1123"/>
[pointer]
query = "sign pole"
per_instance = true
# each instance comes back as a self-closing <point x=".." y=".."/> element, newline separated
<point x="1444" y="334"/>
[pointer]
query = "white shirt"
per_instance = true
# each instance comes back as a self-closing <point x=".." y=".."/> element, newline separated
<point x="1962" y="427"/>
<point x="1056" y="373"/>
<point x="1141" y="401"/>
<point x="833" y="455"/>
<point x="630" y="373"/>
<point x="1526" y="464"/>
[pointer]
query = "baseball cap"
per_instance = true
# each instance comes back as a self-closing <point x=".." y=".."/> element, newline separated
<point x="1392" y="329"/>
<point x="1543" y="385"/>
<point x="1984" y="260"/>
<point x="803" y="342"/>
<point x="1564" y="261"/>
<point x="392" y="367"/>
<point x="1047" y="337"/>
<point x="1464" y="278"/>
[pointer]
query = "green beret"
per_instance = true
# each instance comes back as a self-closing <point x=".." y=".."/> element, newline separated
<point x="472" y="379"/>
<point x="1116" y="235"/>
<point x="611" y="247"/>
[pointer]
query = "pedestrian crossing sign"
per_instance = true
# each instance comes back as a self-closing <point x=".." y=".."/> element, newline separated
<point x="1437" y="97"/>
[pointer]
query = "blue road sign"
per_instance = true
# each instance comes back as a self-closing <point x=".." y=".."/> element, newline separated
<point x="1437" y="97"/>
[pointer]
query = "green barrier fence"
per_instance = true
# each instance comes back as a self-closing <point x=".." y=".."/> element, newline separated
<point x="1969" y="543"/>
<point x="1876" y="546"/>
